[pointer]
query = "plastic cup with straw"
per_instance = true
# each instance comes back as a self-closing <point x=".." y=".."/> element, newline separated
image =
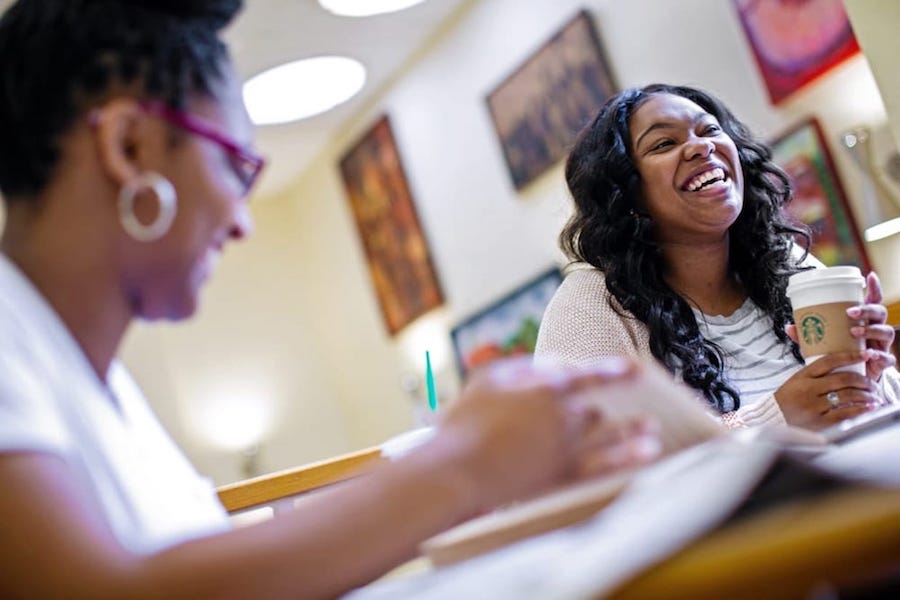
<point x="405" y="443"/>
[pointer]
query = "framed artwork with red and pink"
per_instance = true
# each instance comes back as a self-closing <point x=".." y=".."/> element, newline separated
<point x="796" y="42"/>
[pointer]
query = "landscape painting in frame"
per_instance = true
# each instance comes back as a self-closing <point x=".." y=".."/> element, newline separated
<point x="819" y="200"/>
<point x="795" y="42"/>
<point x="538" y="110"/>
<point x="397" y="254"/>
<point x="508" y="327"/>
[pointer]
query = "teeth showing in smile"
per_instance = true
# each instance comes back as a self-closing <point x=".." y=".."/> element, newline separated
<point x="706" y="178"/>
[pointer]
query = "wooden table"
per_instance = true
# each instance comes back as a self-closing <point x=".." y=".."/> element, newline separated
<point x="846" y="539"/>
<point x="842" y="541"/>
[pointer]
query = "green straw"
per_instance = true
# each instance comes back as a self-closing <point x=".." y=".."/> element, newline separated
<point x="429" y="384"/>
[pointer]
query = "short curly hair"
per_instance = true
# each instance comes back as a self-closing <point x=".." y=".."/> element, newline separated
<point x="58" y="58"/>
<point x="608" y="231"/>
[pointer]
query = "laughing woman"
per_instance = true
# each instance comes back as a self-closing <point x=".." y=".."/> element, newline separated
<point x="682" y="254"/>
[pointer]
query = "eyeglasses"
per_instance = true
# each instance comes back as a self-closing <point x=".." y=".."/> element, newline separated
<point x="247" y="164"/>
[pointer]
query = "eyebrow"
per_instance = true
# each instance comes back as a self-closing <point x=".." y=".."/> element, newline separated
<point x="670" y="125"/>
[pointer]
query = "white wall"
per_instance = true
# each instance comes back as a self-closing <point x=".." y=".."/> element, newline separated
<point x="296" y="307"/>
<point x="249" y="365"/>
<point x="875" y="22"/>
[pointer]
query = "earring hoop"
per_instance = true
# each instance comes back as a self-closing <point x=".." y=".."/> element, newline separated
<point x="168" y="205"/>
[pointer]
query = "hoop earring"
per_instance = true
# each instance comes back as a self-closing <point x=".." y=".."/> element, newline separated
<point x="168" y="206"/>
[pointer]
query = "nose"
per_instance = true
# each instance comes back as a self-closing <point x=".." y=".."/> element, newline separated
<point x="699" y="147"/>
<point x="242" y="227"/>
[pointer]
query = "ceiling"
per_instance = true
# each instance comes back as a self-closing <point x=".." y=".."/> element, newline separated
<point x="270" y="32"/>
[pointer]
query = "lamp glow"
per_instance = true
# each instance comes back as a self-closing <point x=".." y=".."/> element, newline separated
<point x="365" y="8"/>
<point x="877" y="191"/>
<point x="882" y="230"/>
<point x="302" y="88"/>
<point x="429" y="332"/>
<point x="231" y="420"/>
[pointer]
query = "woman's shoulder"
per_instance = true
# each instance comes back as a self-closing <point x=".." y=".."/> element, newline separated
<point x="583" y="321"/>
<point x="583" y="290"/>
<point x="583" y="280"/>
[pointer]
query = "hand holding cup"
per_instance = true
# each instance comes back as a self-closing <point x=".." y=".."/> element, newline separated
<point x="838" y="327"/>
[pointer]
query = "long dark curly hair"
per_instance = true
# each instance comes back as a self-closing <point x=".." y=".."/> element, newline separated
<point x="609" y="232"/>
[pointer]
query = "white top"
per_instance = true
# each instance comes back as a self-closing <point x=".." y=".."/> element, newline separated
<point x="756" y="362"/>
<point x="51" y="401"/>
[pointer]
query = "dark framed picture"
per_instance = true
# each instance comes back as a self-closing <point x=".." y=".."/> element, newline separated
<point x="819" y="198"/>
<point x="538" y="110"/>
<point x="796" y="42"/>
<point x="397" y="254"/>
<point x="507" y="327"/>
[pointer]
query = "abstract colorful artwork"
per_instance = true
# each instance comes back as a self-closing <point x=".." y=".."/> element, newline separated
<point x="398" y="257"/>
<point x="797" y="41"/>
<point x="508" y="327"/>
<point x="819" y="198"/>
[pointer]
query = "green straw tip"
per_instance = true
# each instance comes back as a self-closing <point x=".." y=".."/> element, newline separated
<point x="429" y="383"/>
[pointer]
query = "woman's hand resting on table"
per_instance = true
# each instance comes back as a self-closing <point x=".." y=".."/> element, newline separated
<point x="519" y="429"/>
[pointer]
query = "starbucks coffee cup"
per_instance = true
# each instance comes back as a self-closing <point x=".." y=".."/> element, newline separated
<point x="820" y="299"/>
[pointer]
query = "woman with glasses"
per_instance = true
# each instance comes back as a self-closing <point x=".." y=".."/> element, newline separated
<point x="125" y="167"/>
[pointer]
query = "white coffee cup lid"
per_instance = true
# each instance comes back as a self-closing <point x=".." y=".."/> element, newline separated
<point x="843" y="274"/>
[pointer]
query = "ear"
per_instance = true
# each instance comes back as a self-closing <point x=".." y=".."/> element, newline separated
<point x="115" y="124"/>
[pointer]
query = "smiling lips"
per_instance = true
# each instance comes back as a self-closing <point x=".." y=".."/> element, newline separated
<point x="704" y="179"/>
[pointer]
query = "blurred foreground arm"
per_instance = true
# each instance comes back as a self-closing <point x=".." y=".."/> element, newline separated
<point x="515" y="431"/>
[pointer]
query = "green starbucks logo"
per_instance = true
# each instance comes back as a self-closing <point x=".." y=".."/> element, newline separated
<point x="812" y="328"/>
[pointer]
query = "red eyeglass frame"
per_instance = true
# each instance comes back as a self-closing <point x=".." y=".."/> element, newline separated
<point x="196" y="125"/>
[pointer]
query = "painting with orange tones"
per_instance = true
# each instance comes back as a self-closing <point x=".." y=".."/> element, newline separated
<point x="819" y="199"/>
<point x="397" y="254"/>
<point x="796" y="41"/>
<point x="508" y="327"/>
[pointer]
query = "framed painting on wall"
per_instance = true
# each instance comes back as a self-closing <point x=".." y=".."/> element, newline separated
<point x="796" y="42"/>
<point x="819" y="198"/>
<point x="397" y="254"/>
<point x="538" y="110"/>
<point x="507" y="327"/>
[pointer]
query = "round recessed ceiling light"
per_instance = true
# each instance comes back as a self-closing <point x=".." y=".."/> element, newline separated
<point x="365" y="8"/>
<point x="302" y="88"/>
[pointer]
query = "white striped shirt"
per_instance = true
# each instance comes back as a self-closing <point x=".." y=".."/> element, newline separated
<point x="756" y="361"/>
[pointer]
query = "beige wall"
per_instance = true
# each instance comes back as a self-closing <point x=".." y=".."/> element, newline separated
<point x="875" y="23"/>
<point x="291" y="318"/>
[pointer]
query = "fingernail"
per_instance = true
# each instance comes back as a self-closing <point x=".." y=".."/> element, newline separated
<point x="858" y="331"/>
<point x="854" y="312"/>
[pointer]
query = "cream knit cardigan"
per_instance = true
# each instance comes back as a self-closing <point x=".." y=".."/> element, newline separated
<point x="580" y="325"/>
